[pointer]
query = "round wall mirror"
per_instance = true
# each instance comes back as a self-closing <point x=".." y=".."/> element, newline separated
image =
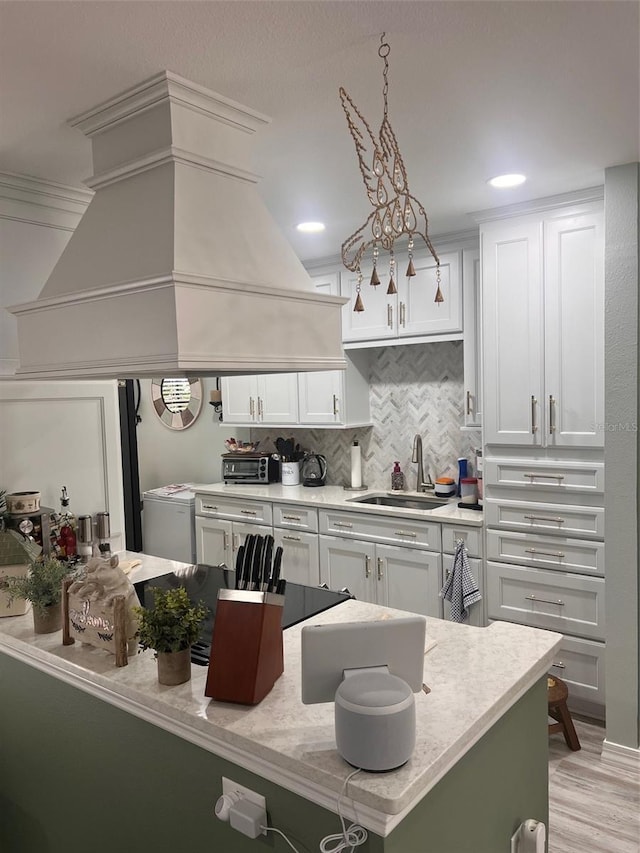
<point x="177" y="402"/>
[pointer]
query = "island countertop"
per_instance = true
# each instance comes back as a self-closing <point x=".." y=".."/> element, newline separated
<point x="336" y="497"/>
<point x="473" y="674"/>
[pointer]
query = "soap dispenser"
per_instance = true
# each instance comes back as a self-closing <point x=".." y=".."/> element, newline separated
<point x="397" y="477"/>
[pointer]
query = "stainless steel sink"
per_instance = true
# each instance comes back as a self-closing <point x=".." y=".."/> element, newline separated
<point x="403" y="501"/>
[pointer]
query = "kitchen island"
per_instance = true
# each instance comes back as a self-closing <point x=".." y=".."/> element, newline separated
<point x="109" y="756"/>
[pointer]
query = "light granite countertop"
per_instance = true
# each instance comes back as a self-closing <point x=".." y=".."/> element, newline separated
<point x="474" y="676"/>
<point x="335" y="497"/>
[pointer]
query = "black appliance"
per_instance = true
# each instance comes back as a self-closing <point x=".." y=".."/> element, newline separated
<point x="33" y="525"/>
<point x="314" y="470"/>
<point x="249" y="468"/>
<point x="203" y="582"/>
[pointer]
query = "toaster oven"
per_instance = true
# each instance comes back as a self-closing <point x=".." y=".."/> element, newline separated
<point x="250" y="468"/>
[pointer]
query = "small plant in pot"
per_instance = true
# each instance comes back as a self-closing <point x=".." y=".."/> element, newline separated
<point x="170" y="627"/>
<point x="42" y="586"/>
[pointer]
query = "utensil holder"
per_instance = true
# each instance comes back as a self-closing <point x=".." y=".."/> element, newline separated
<point x="246" y="648"/>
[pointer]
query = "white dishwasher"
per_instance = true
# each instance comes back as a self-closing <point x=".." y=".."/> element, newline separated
<point x="168" y="522"/>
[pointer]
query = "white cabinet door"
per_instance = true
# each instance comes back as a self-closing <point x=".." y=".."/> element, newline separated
<point x="408" y="580"/>
<point x="214" y="542"/>
<point x="379" y="319"/>
<point x="239" y="399"/>
<point x="320" y="397"/>
<point x="418" y="313"/>
<point x="574" y="330"/>
<point x="278" y="398"/>
<point x="472" y="325"/>
<point x="300" y="557"/>
<point x="346" y="563"/>
<point x="512" y="339"/>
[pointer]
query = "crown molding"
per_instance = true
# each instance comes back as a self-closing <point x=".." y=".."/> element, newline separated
<point x="537" y="205"/>
<point x="35" y="201"/>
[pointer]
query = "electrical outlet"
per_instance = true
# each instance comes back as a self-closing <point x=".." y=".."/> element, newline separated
<point x="229" y="787"/>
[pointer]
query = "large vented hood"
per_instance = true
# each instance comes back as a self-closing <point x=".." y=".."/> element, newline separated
<point x="176" y="268"/>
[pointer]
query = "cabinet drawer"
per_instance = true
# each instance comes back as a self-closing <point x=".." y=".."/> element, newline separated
<point x="295" y="517"/>
<point x="581" y="664"/>
<point x="215" y="506"/>
<point x="569" y="604"/>
<point x="583" y="522"/>
<point x="533" y="475"/>
<point x="471" y="536"/>
<point x="396" y="531"/>
<point x="549" y="552"/>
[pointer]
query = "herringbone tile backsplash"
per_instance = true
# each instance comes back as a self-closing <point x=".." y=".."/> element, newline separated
<point x="413" y="389"/>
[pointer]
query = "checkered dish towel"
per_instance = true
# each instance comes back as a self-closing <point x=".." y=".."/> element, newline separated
<point x="460" y="587"/>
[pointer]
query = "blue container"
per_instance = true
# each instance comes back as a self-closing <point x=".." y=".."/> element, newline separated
<point x="463" y="467"/>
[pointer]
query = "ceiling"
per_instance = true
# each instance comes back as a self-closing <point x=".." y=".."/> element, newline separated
<point x="476" y="89"/>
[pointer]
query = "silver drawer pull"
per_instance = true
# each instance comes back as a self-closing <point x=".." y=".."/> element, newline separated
<point x="335" y="405"/>
<point x="292" y="538"/>
<point x="342" y="524"/>
<point x="367" y="566"/>
<point x="558" y="554"/>
<point x="390" y="316"/>
<point x="559" y="665"/>
<point x="552" y="414"/>
<point x="379" y="568"/>
<point x="468" y="402"/>
<point x="556" y="520"/>
<point x="534" y="475"/>
<point x="209" y="508"/>
<point x="224" y="540"/>
<point x="248" y="512"/>
<point x="406" y="533"/>
<point x="559" y="602"/>
<point x="292" y="517"/>
<point x="534" y="423"/>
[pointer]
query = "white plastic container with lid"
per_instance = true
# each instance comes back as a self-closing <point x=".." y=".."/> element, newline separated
<point x="445" y="487"/>
<point x="469" y="490"/>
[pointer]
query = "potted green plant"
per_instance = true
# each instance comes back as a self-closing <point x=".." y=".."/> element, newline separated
<point x="42" y="586"/>
<point x="170" y="627"/>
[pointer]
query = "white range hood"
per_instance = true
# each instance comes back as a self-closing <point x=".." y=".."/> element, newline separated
<point x="176" y="267"/>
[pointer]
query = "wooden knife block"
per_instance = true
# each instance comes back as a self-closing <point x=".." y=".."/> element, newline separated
<point x="246" y="648"/>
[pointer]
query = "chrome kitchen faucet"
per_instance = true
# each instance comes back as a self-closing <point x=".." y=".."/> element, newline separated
<point x="422" y="485"/>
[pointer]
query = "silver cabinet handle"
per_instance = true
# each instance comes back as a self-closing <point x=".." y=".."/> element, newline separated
<point x="556" y="520"/>
<point x="235" y="542"/>
<point x="335" y="404"/>
<point x="248" y="512"/>
<point x="408" y="533"/>
<point x="292" y="538"/>
<point x="224" y="540"/>
<point x="552" y="415"/>
<point x="535" y="476"/>
<point x="559" y="602"/>
<point x="292" y="517"/>
<point x="379" y="568"/>
<point x="558" y="554"/>
<point x="367" y="566"/>
<point x="559" y="665"/>
<point x="390" y="316"/>
<point x="534" y="423"/>
<point x="342" y="524"/>
<point x="209" y="508"/>
<point x="260" y="408"/>
<point x="403" y="314"/>
<point x="468" y="402"/>
<point x="252" y="407"/>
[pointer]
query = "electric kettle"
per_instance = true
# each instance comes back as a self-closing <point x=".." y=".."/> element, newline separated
<point x="314" y="470"/>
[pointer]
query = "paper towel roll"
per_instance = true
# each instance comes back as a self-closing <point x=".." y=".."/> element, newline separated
<point x="356" y="466"/>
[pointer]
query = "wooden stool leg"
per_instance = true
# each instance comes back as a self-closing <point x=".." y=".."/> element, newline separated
<point x="568" y="729"/>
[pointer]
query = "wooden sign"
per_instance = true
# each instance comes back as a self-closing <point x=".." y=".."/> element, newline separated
<point x="98" y="609"/>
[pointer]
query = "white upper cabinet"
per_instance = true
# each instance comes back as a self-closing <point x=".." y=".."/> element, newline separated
<point x="543" y="328"/>
<point x="268" y="399"/>
<point x="412" y="311"/>
<point x="472" y="321"/>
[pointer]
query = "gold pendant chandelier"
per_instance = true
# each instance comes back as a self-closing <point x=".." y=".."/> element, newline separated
<point x="396" y="213"/>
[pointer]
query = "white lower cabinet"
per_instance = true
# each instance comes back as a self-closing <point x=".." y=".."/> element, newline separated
<point x="218" y="540"/>
<point x="581" y="663"/>
<point x="300" y="557"/>
<point x="389" y="575"/>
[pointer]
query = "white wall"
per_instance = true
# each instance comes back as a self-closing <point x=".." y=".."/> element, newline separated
<point x="191" y="455"/>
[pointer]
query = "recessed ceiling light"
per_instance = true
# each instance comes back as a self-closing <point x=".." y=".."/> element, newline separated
<point x="504" y="181"/>
<point x="310" y="227"/>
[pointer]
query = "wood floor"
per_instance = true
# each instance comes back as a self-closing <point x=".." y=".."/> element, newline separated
<point x="594" y="804"/>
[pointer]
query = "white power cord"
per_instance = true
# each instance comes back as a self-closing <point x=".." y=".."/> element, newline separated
<point x="352" y="836"/>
